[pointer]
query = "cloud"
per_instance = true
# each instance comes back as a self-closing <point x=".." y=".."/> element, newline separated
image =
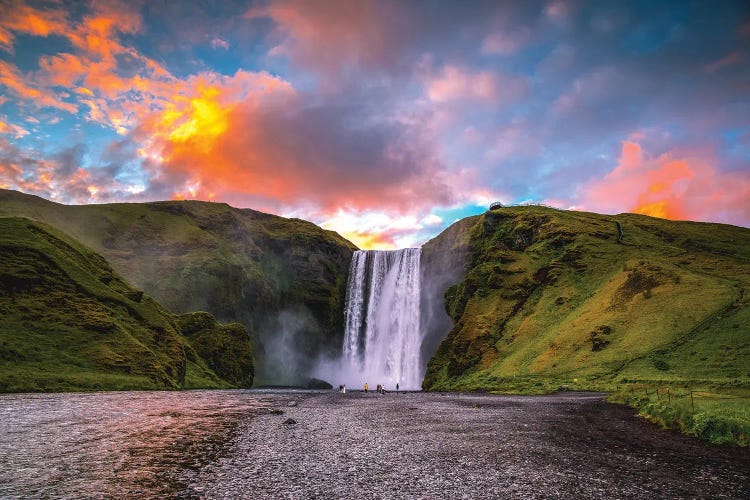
<point x="456" y="84"/>
<point x="506" y="42"/>
<point x="378" y="107"/>
<point x="98" y="65"/>
<point x="684" y="185"/>
<point x="219" y="43"/>
<point x="271" y="148"/>
<point x="14" y="130"/>
<point x="59" y="177"/>
<point x="17" y="17"/>
<point x="375" y="229"/>
<point x="21" y="86"/>
<point x="336" y="33"/>
<point x="731" y="59"/>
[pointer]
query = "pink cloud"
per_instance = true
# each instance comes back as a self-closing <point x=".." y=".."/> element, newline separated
<point x="219" y="43"/>
<point x="558" y="10"/>
<point x="328" y="35"/>
<point x="455" y="84"/>
<point x="684" y="185"/>
<point x="731" y="59"/>
<point x="505" y="42"/>
<point x="588" y="89"/>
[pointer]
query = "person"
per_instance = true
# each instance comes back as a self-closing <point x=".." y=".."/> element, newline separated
<point x="366" y="387"/>
<point x="341" y="388"/>
<point x="344" y="391"/>
<point x="396" y="386"/>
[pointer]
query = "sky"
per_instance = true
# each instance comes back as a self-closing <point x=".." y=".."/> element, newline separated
<point x="383" y="120"/>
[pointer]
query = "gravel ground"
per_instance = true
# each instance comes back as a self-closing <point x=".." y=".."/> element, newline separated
<point x="427" y="445"/>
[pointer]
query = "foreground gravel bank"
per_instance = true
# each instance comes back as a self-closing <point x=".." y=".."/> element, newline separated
<point x="420" y="445"/>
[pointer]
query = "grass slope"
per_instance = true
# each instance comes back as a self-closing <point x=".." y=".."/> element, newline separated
<point x="68" y="321"/>
<point x="552" y="299"/>
<point x="238" y="264"/>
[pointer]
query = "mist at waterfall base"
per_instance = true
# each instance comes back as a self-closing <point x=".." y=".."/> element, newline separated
<point x="382" y="336"/>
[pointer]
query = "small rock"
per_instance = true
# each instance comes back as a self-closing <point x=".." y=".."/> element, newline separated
<point x="276" y="412"/>
<point x="292" y="403"/>
<point x="290" y="421"/>
<point x="181" y="443"/>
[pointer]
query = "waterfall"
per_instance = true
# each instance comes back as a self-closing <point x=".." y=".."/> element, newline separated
<point x="382" y="338"/>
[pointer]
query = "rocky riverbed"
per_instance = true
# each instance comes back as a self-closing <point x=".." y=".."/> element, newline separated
<point x="467" y="446"/>
<point x="268" y="444"/>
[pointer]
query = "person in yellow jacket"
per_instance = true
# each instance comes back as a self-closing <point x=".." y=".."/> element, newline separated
<point x="366" y="387"/>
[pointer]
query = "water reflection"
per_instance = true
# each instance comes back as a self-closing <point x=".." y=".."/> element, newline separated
<point x="118" y="443"/>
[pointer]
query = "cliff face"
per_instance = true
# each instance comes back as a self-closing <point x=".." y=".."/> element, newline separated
<point x="68" y="321"/>
<point x="552" y="298"/>
<point x="444" y="263"/>
<point x="283" y="279"/>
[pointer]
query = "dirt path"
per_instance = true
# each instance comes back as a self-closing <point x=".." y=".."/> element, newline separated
<point x="466" y="446"/>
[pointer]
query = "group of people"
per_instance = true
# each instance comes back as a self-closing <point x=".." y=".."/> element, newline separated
<point x="380" y="388"/>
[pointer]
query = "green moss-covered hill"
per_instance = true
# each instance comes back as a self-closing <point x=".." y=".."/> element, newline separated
<point x="559" y="298"/>
<point x="68" y="321"/>
<point x="283" y="279"/>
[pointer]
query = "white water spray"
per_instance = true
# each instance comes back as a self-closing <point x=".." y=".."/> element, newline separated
<point x="382" y="337"/>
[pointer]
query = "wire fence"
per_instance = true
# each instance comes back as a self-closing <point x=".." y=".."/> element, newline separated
<point x="667" y="394"/>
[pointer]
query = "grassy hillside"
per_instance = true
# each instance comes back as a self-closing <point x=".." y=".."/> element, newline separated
<point x="557" y="299"/>
<point x="68" y="321"/>
<point x="283" y="279"/>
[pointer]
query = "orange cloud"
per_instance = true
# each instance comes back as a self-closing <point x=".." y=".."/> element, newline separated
<point x="683" y="185"/>
<point x="16" y="17"/>
<point x="14" y="130"/>
<point x="63" y="70"/>
<point x="368" y="241"/>
<point x="250" y="138"/>
<point x="21" y="86"/>
<point x="94" y="67"/>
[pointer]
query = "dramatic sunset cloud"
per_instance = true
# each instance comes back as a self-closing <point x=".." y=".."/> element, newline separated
<point x="674" y="185"/>
<point x="383" y="120"/>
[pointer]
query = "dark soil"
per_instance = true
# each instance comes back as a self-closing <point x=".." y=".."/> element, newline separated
<point x="433" y="445"/>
